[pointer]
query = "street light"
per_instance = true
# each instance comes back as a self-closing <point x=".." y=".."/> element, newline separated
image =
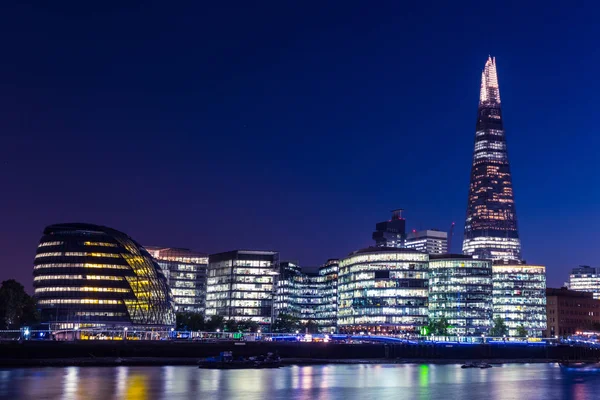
<point x="258" y="331"/>
<point x="297" y="332"/>
<point x="218" y="330"/>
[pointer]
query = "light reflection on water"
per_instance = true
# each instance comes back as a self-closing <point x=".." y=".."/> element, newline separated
<point x="328" y="382"/>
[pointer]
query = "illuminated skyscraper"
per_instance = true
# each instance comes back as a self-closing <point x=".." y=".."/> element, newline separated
<point x="491" y="223"/>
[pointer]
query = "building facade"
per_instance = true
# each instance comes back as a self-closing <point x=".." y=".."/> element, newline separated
<point x="428" y="241"/>
<point x="185" y="271"/>
<point x="491" y="221"/>
<point x="88" y="276"/>
<point x="460" y="290"/>
<point x="391" y="233"/>
<point x="382" y="289"/>
<point x="310" y="297"/>
<point x="519" y="297"/>
<point x="569" y="312"/>
<point x="585" y="279"/>
<point x="241" y="285"/>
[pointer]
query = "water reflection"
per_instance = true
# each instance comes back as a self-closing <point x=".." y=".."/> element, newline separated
<point x="329" y="382"/>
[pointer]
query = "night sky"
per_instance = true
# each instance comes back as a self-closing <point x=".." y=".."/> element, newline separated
<point x="293" y="126"/>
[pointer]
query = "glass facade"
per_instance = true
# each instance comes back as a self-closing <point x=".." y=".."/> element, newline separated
<point x="185" y="271"/>
<point x="93" y="276"/>
<point x="491" y="221"/>
<point x="241" y="285"/>
<point x="460" y="289"/>
<point x="309" y="297"/>
<point x="428" y="241"/>
<point x="519" y="297"/>
<point x="384" y="290"/>
<point x="391" y="233"/>
<point x="585" y="279"/>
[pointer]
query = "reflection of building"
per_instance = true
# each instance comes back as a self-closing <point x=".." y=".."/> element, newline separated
<point x="391" y="233"/>
<point x="491" y="222"/>
<point x="88" y="275"/>
<point x="428" y="241"/>
<point x="185" y="271"/>
<point x="585" y="279"/>
<point x="569" y="312"/>
<point x="309" y="296"/>
<point x="519" y="297"/>
<point x="241" y="285"/>
<point x="383" y="289"/>
<point x="460" y="289"/>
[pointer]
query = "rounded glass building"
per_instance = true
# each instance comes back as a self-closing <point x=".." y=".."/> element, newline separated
<point x="93" y="276"/>
<point x="383" y="289"/>
<point x="460" y="290"/>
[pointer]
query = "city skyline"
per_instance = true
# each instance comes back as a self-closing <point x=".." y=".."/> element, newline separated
<point x="297" y="142"/>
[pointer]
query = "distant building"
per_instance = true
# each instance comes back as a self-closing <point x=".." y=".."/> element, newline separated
<point x="185" y="271"/>
<point x="585" y="279"/>
<point x="460" y="289"/>
<point x="383" y="289"/>
<point x="428" y="241"/>
<point x="519" y="297"/>
<point x="569" y="312"/>
<point x="391" y="233"/>
<point x="241" y="285"/>
<point x="91" y="276"/>
<point x="310" y="297"/>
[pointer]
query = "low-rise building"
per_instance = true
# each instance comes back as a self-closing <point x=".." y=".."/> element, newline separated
<point x="383" y="289"/>
<point x="585" y="279"/>
<point x="460" y="290"/>
<point x="430" y="241"/>
<point x="241" y="285"/>
<point x="185" y="271"/>
<point x="519" y="297"/>
<point x="569" y="312"/>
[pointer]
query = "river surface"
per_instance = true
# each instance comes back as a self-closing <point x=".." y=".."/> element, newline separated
<point x="328" y="382"/>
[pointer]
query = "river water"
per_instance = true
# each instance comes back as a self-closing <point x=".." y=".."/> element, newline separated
<point x="328" y="382"/>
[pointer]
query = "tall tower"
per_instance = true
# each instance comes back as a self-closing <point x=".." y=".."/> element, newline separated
<point x="491" y="223"/>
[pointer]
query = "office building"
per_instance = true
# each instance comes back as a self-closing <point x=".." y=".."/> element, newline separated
<point x="383" y="289"/>
<point x="491" y="221"/>
<point x="585" y="279"/>
<point x="519" y="297"/>
<point x="92" y="276"/>
<point x="310" y="297"/>
<point x="429" y="241"/>
<point x="241" y="285"/>
<point x="391" y="233"/>
<point x="569" y="312"/>
<point x="185" y="271"/>
<point x="460" y="290"/>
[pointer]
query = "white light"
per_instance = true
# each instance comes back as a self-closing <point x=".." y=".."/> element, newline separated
<point x="172" y="329"/>
<point x="125" y="329"/>
<point x="258" y="331"/>
<point x="218" y="330"/>
<point x="296" y="332"/>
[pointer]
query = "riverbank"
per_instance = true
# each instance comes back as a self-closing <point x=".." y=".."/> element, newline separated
<point x="174" y="361"/>
<point x="99" y="353"/>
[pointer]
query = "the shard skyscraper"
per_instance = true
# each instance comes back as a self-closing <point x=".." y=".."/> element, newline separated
<point x="491" y="223"/>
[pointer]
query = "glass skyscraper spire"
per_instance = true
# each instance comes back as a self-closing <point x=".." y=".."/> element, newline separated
<point x="491" y="223"/>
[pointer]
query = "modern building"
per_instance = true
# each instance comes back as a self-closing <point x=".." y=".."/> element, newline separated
<point x="88" y="276"/>
<point x="241" y="285"/>
<point x="569" y="312"/>
<point x="491" y="221"/>
<point x="519" y="297"/>
<point x="185" y="271"/>
<point x="383" y="289"/>
<point x="460" y="290"/>
<point x="310" y="297"/>
<point x="585" y="279"/>
<point x="391" y="233"/>
<point x="429" y="241"/>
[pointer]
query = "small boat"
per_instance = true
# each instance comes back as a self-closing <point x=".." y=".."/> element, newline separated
<point x="580" y="366"/>
<point x="469" y="365"/>
<point x="484" y="365"/>
<point x="480" y="365"/>
<point x="226" y="361"/>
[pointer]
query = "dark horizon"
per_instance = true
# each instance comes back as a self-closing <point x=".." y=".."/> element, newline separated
<point x="290" y="127"/>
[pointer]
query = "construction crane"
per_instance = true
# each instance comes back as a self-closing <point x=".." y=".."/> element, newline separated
<point x="450" y="234"/>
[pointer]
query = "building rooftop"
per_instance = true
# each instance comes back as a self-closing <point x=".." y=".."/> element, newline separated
<point x="563" y="291"/>
<point x="374" y="249"/>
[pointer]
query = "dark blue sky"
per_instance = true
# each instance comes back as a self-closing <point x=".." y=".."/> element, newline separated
<point x="291" y="125"/>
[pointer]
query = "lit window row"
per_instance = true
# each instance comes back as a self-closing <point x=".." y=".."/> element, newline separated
<point x="81" y="289"/>
<point x="77" y="254"/>
<point x="101" y="244"/>
<point x="77" y="277"/>
<point x="79" y="301"/>
<point x="44" y="244"/>
<point x="80" y="265"/>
